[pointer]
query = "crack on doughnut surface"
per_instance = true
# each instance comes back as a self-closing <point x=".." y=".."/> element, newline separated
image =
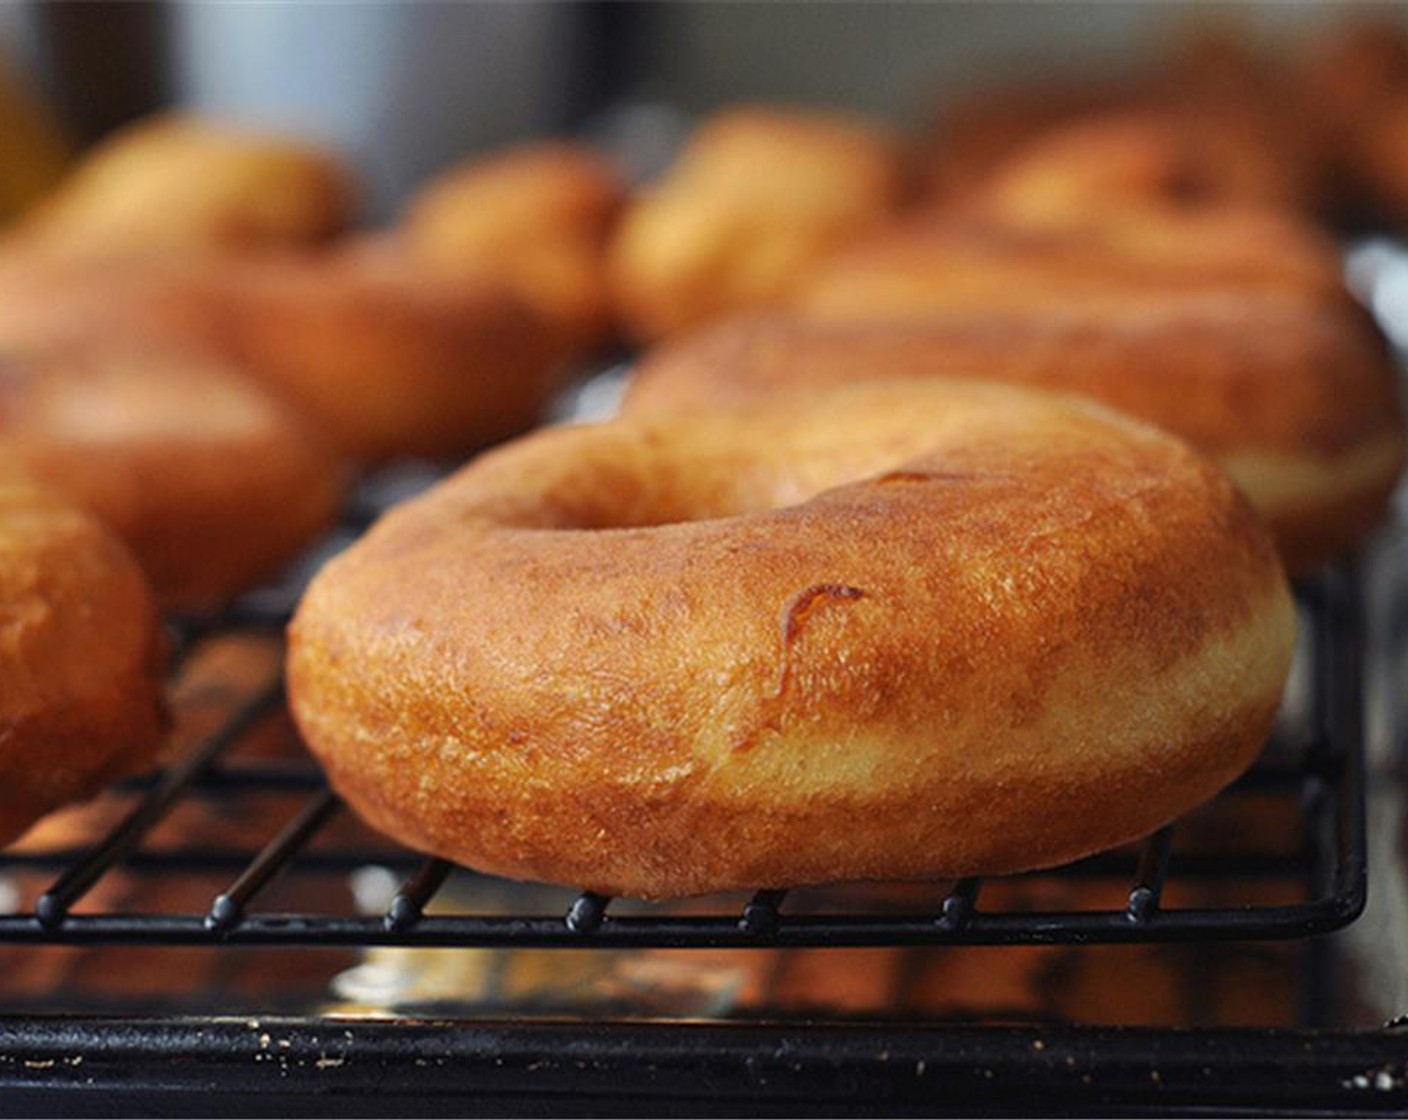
<point x="792" y="618"/>
<point x="795" y="613"/>
<point x="929" y="476"/>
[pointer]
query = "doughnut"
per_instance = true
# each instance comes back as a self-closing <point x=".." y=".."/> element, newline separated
<point x="1352" y="83"/>
<point x="81" y="657"/>
<point x="1238" y="110"/>
<point x="1134" y="159"/>
<point x="1295" y="398"/>
<point x="48" y="298"/>
<point x="386" y="357"/>
<point x="380" y="355"/>
<point x="212" y="484"/>
<point x="1118" y="259"/>
<point x="982" y="131"/>
<point x="757" y="196"/>
<point x="176" y="182"/>
<point x="1211" y="122"/>
<point x="538" y="216"/>
<point x="889" y="631"/>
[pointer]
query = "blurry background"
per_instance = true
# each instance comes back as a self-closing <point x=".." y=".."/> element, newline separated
<point x="403" y="89"/>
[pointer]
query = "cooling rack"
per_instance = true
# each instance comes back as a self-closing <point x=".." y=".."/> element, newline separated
<point x="1314" y="766"/>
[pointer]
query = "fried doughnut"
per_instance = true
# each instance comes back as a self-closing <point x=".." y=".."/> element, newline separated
<point x="1296" y="399"/>
<point x="1126" y="259"/>
<point x="1137" y="160"/>
<point x="1353" y="83"/>
<point x="80" y="658"/>
<point x="379" y="354"/>
<point x="175" y="182"/>
<point x="212" y="484"/>
<point x="538" y="216"/>
<point x="1379" y="159"/>
<point x="1212" y="122"/>
<point x="982" y="131"/>
<point x="757" y="197"/>
<point x="386" y="357"/>
<point x="903" y="630"/>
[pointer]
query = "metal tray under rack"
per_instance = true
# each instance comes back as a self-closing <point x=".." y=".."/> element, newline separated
<point x="1315" y="765"/>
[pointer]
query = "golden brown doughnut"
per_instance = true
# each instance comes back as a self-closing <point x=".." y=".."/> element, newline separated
<point x="1295" y="398"/>
<point x="757" y="196"/>
<point x="176" y="182"/>
<point x="1140" y="159"/>
<point x="538" y="216"/>
<point x="1212" y="121"/>
<point x="211" y="484"/>
<point x="903" y="630"/>
<point x="1378" y="158"/>
<point x="1353" y="83"/>
<point x="1127" y="258"/>
<point x="381" y="355"/>
<point x="80" y="658"/>
<point x="981" y="130"/>
<point x="386" y="357"/>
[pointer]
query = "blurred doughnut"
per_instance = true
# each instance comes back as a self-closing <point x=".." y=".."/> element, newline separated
<point x="755" y="199"/>
<point x="81" y="657"/>
<point x="538" y="216"/>
<point x="1118" y="259"/>
<point x="1212" y="121"/>
<point x="1138" y="160"/>
<point x="212" y="484"/>
<point x="176" y="182"/>
<point x="384" y="356"/>
<point x="380" y="354"/>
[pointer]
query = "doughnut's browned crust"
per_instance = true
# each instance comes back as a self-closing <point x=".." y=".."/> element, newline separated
<point x="1139" y="159"/>
<point x="80" y="658"/>
<point x="981" y="132"/>
<point x="181" y="183"/>
<point x="1126" y="259"/>
<point x="1213" y="123"/>
<point x="538" y="216"/>
<point x="756" y="198"/>
<point x="378" y="353"/>
<point x="1296" y="398"/>
<point x="888" y="631"/>
<point x="386" y="357"/>
<point x="211" y="483"/>
<point x="1353" y="88"/>
<point x="1379" y="158"/>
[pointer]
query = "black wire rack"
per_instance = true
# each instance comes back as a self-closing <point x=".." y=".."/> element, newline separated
<point x="1315" y="761"/>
